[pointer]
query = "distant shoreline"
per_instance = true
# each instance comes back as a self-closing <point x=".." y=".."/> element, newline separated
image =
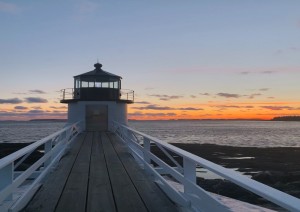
<point x="279" y="118"/>
<point x="200" y="120"/>
<point x="286" y="118"/>
<point x="36" y="120"/>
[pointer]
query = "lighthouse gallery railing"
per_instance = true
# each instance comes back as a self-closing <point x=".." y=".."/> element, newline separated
<point x="52" y="148"/>
<point x="193" y="195"/>
<point x="69" y="93"/>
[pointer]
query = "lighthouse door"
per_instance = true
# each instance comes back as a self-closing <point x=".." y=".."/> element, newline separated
<point x="96" y="117"/>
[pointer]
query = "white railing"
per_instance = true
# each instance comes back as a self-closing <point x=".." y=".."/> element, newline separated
<point x="18" y="186"/>
<point x="68" y="93"/>
<point x="71" y="93"/>
<point x="127" y="94"/>
<point x="185" y="175"/>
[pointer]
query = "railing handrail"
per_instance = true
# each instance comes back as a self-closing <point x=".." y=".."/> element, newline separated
<point x="280" y="198"/>
<point x="54" y="146"/>
<point x="19" y="153"/>
<point x="68" y="93"/>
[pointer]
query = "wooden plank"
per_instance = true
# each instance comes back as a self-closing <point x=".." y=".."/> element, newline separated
<point x="153" y="197"/>
<point x="47" y="197"/>
<point x="74" y="194"/>
<point x="100" y="197"/>
<point x="125" y="194"/>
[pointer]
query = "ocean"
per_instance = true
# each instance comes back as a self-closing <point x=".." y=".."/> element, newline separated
<point x="27" y="131"/>
<point x="232" y="133"/>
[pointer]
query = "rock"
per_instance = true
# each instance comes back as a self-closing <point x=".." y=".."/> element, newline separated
<point x="269" y="177"/>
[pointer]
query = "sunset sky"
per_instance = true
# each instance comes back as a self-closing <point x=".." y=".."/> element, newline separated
<point x="195" y="59"/>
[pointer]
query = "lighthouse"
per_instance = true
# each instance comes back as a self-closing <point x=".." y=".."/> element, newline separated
<point x="97" y="99"/>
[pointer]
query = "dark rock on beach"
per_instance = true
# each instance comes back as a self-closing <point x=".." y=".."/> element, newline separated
<point x="277" y="167"/>
<point x="9" y="148"/>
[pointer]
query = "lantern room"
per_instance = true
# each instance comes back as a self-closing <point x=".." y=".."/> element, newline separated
<point x="97" y="99"/>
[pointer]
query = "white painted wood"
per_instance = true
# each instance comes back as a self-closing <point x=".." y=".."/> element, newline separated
<point x="190" y="161"/>
<point x="11" y="181"/>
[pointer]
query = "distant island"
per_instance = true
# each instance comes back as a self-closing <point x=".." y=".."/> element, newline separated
<point x="56" y="120"/>
<point x="286" y="118"/>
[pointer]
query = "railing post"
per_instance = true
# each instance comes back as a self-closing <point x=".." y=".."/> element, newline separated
<point x="48" y="148"/>
<point x="189" y="171"/>
<point x="6" y="178"/>
<point x="147" y="150"/>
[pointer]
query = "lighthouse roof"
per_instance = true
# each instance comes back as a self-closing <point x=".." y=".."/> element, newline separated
<point x="98" y="72"/>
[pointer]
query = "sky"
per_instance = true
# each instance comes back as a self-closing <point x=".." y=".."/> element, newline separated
<point x="197" y="59"/>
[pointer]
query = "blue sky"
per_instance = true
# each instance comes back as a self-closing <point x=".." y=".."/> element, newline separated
<point x="172" y="48"/>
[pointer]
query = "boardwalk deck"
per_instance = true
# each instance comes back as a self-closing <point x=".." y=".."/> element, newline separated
<point x="98" y="174"/>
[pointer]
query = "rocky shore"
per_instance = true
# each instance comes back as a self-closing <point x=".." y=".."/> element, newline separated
<point x="277" y="167"/>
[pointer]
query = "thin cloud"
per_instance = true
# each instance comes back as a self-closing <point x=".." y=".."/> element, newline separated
<point x="252" y="96"/>
<point x="298" y="24"/>
<point x="165" y="97"/>
<point x="36" y="111"/>
<point x="153" y="107"/>
<point x="36" y="107"/>
<point x="156" y="107"/>
<point x="9" y="7"/>
<point x="136" y="114"/>
<point x="193" y="96"/>
<point x="226" y="106"/>
<point x="33" y="114"/>
<point x="20" y="93"/>
<point x="160" y="114"/>
<point x="223" y="107"/>
<point x="139" y="114"/>
<point x="20" y="108"/>
<point x="292" y="49"/>
<point x="35" y="100"/>
<point x="245" y="72"/>
<point x="268" y="72"/>
<point x="142" y="103"/>
<point x="188" y="108"/>
<point x="264" y="89"/>
<point x="204" y="94"/>
<point x="36" y="91"/>
<point x="229" y="95"/>
<point x="279" y="108"/>
<point x="11" y="101"/>
<point x="58" y="111"/>
<point x="86" y="7"/>
<point x="61" y="107"/>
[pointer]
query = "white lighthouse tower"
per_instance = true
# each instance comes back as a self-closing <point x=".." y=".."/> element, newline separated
<point x="97" y="100"/>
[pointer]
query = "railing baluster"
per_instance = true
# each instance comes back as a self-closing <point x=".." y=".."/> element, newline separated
<point x="189" y="172"/>
<point x="47" y="149"/>
<point x="146" y="150"/>
<point x="6" y="178"/>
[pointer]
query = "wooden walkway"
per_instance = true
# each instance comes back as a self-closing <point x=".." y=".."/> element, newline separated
<point x="98" y="174"/>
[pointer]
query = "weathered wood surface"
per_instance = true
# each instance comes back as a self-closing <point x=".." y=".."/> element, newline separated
<point x="98" y="174"/>
<point x="153" y="197"/>
<point x="48" y="196"/>
<point x="100" y="196"/>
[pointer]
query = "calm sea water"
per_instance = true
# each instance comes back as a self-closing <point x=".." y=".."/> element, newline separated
<point x="27" y="131"/>
<point x="233" y="133"/>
